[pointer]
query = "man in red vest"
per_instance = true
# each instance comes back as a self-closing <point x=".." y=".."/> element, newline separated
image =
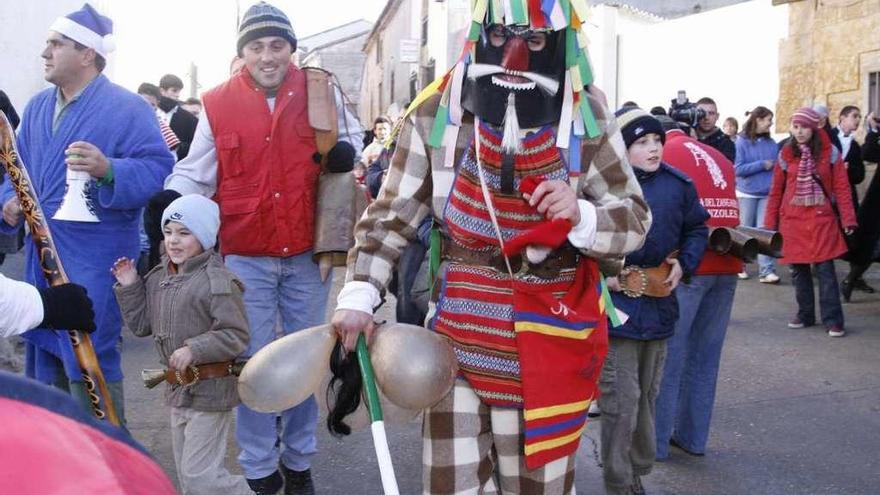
<point x="255" y="153"/>
<point x="687" y="392"/>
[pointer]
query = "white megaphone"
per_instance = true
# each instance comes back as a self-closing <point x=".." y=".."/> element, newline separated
<point x="76" y="205"/>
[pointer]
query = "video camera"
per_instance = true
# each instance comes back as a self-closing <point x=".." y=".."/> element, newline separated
<point x="685" y="112"/>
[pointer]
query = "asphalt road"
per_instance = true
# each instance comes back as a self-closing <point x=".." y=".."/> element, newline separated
<point x="797" y="413"/>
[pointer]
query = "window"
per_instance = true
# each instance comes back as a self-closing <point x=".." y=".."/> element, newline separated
<point x="874" y="92"/>
<point x="378" y="50"/>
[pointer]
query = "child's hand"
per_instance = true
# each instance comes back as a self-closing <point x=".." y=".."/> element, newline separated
<point x="181" y="359"/>
<point x="674" y="275"/>
<point x="124" y="271"/>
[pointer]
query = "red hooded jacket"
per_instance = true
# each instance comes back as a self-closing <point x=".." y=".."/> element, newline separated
<point x="811" y="233"/>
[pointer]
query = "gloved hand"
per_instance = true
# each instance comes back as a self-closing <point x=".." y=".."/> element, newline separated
<point x="153" y="221"/>
<point x="340" y="158"/>
<point x="66" y="307"/>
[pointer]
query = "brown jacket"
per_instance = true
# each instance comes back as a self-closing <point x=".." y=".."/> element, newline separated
<point x="201" y="306"/>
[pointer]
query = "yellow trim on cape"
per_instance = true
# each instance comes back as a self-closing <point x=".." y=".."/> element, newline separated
<point x="529" y="326"/>
<point x="553" y="443"/>
<point x="546" y="412"/>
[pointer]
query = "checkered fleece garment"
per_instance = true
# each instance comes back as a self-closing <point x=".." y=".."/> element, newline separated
<point x="470" y="448"/>
<point x="417" y="185"/>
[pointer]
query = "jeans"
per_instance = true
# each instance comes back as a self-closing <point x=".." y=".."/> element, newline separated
<point x="407" y="310"/>
<point x="829" y="295"/>
<point x="292" y="288"/>
<point x="687" y="392"/>
<point x="751" y="214"/>
<point x="77" y="389"/>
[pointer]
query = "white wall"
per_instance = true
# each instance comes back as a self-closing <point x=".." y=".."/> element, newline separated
<point x="730" y="54"/>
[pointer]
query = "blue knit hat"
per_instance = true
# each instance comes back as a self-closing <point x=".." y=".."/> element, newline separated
<point x="635" y="123"/>
<point x="89" y="28"/>
<point x="197" y="213"/>
<point x="263" y="20"/>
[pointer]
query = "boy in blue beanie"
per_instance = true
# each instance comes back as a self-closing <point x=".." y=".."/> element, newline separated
<point x="644" y="292"/>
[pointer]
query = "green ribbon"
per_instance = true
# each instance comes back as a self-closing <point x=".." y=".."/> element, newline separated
<point x="439" y="129"/>
<point x="369" y="380"/>
<point x="590" y="124"/>
<point x="610" y="310"/>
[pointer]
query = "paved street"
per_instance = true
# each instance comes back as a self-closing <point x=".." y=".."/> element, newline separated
<point x="797" y="413"/>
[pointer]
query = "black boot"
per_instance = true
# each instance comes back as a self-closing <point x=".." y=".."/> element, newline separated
<point x="860" y="284"/>
<point x="297" y="482"/>
<point x="270" y="485"/>
<point x="846" y="288"/>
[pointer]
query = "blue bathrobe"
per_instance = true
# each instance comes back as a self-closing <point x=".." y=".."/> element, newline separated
<point x="125" y="129"/>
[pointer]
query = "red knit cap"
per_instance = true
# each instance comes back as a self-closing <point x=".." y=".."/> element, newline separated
<point x="806" y="117"/>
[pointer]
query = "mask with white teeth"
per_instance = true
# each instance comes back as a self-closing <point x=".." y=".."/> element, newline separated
<point x="516" y="60"/>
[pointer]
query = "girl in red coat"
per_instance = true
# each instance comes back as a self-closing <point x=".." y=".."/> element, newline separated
<point x="808" y="179"/>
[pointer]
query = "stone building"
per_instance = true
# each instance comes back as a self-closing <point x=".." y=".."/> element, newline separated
<point x="831" y="56"/>
<point x="641" y="50"/>
<point x="338" y="50"/>
<point x="412" y="42"/>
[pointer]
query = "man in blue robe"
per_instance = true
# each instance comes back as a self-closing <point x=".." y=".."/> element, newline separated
<point x="86" y="123"/>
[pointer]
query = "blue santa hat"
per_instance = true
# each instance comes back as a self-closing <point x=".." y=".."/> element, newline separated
<point x="89" y="28"/>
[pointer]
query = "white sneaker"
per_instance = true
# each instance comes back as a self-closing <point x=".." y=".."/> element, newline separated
<point x="836" y="331"/>
<point x="594" y="411"/>
<point x="743" y="275"/>
<point x="770" y="278"/>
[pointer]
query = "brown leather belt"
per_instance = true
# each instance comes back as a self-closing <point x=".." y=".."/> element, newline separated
<point x="636" y="281"/>
<point x="557" y="260"/>
<point x="195" y="374"/>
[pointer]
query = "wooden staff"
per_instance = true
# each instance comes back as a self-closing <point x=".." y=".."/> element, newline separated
<point x="99" y="394"/>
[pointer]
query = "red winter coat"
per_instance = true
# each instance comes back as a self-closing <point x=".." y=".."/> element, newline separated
<point x="811" y="234"/>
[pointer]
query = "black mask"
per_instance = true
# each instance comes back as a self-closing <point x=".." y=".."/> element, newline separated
<point x="515" y="48"/>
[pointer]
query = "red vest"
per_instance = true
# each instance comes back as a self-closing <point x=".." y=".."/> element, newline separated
<point x="266" y="177"/>
<point x="714" y="178"/>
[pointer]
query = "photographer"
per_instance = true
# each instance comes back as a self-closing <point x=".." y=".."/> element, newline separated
<point x="708" y="133"/>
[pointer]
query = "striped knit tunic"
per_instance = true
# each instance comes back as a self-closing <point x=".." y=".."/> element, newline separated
<point x="475" y="308"/>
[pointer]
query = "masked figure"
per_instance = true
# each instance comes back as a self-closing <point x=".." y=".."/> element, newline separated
<point x="516" y="159"/>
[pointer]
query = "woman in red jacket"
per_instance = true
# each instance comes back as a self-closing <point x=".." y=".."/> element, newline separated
<point x="808" y="179"/>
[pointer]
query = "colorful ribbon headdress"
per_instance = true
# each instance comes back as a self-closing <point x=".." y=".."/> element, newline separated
<point x="576" y="117"/>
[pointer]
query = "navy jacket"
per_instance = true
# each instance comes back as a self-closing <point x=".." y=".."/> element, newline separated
<point x="679" y="223"/>
<point x="722" y="143"/>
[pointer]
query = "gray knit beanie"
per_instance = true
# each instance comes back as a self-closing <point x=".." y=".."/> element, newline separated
<point x="263" y="20"/>
<point x="197" y="213"/>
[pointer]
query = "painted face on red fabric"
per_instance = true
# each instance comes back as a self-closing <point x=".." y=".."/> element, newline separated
<point x="529" y="63"/>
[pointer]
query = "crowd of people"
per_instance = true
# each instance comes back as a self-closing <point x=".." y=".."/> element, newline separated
<point x="207" y="212"/>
